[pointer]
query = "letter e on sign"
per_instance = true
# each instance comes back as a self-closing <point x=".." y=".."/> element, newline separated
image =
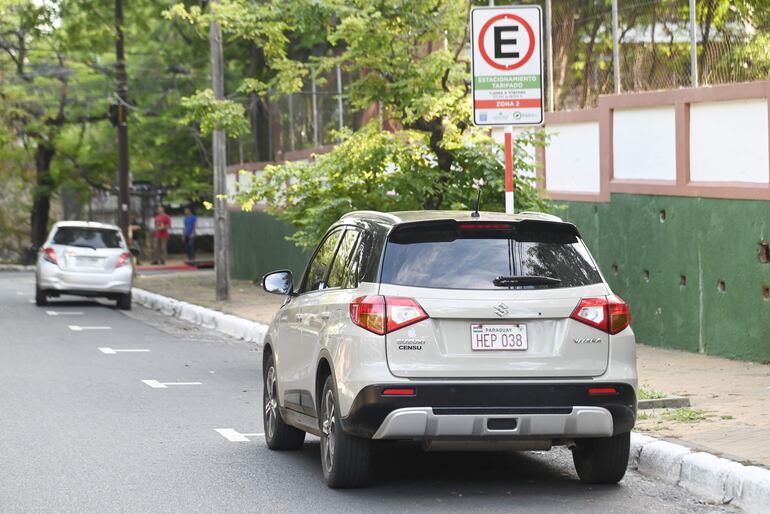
<point x="507" y="65"/>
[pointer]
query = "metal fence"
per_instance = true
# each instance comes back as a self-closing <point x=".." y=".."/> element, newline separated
<point x="657" y="44"/>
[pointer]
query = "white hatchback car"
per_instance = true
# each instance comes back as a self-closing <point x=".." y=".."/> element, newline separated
<point x="85" y="259"/>
<point x="489" y="332"/>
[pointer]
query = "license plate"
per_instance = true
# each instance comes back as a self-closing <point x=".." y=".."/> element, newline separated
<point x="89" y="262"/>
<point x="498" y="337"/>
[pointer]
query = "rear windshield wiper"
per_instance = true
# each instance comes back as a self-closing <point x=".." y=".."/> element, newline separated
<point x="83" y="246"/>
<point x="525" y="280"/>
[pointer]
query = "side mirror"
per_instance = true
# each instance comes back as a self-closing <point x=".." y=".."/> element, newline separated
<point x="278" y="282"/>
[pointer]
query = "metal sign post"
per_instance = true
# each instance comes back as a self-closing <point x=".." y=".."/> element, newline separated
<point x="507" y="69"/>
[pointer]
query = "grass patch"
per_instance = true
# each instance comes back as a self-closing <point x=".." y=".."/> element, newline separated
<point x="647" y="393"/>
<point x="684" y="415"/>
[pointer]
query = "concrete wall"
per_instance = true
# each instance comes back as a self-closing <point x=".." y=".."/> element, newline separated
<point x="671" y="190"/>
<point x="690" y="269"/>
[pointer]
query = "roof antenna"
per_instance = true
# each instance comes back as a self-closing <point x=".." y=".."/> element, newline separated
<point x="477" y="184"/>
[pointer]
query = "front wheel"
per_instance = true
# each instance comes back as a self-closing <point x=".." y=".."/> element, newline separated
<point x="602" y="460"/>
<point x="344" y="458"/>
<point x="278" y="435"/>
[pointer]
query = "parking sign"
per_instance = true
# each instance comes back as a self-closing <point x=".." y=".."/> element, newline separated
<point x="507" y="65"/>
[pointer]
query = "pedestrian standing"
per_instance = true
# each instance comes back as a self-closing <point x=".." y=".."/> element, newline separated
<point x="190" y="222"/>
<point x="162" y="226"/>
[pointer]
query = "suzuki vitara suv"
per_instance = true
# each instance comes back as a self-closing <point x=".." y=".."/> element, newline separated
<point x="458" y="330"/>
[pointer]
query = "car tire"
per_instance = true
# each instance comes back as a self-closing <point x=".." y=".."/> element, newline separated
<point x="41" y="299"/>
<point x="124" y="302"/>
<point x="602" y="460"/>
<point x="278" y="435"/>
<point x="344" y="458"/>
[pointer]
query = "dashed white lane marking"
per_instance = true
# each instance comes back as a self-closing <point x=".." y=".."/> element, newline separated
<point x="21" y="293"/>
<point x="78" y="328"/>
<point x="163" y="385"/>
<point x="32" y="301"/>
<point x="113" y="351"/>
<point x="234" y="436"/>
<point x="64" y="313"/>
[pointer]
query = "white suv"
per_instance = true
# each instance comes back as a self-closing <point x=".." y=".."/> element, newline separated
<point x="491" y="331"/>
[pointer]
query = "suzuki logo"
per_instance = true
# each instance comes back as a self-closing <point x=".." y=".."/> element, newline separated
<point x="501" y="309"/>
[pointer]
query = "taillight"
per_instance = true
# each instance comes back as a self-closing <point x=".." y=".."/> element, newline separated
<point x="607" y="313"/>
<point x="50" y="255"/>
<point x="484" y="226"/>
<point x="383" y="314"/>
<point x="122" y="259"/>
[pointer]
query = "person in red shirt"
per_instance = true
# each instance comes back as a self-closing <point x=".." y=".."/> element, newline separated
<point x="162" y="226"/>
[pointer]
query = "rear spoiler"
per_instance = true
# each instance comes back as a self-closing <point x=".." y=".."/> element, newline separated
<point x="448" y="230"/>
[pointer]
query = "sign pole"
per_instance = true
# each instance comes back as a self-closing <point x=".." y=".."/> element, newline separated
<point x="509" y="169"/>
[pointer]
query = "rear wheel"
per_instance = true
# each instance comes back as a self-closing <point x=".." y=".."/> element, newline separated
<point x="278" y="435"/>
<point x="344" y="458"/>
<point x="41" y="299"/>
<point x="124" y="301"/>
<point x="602" y="460"/>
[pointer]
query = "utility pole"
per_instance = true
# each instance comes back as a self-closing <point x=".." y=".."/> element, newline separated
<point x="693" y="46"/>
<point x="221" y="264"/>
<point x="615" y="48"/>
<point x="124" y="185"/>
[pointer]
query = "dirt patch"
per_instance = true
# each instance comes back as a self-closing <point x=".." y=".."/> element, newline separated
<point x="246" y="299"/>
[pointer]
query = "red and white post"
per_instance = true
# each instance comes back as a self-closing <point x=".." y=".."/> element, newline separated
<point x="509" y="169"/>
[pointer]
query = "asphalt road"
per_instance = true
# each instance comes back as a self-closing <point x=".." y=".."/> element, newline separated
<point x="81" y="432"/>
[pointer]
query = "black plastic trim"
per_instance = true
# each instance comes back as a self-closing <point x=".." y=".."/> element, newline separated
<point x="370" y="407"/>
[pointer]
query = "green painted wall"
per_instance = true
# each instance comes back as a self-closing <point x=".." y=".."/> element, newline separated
<point x="258" y="244"/>
<point x="703" y="240"/>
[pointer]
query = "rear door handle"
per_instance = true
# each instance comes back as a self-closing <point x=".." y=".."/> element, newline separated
<point x="325" y="315"/>
<point x="299" y="317"/>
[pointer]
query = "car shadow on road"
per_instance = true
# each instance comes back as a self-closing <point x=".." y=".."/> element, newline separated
<point x="404" y="468"/>
<point x="93" y="303"/>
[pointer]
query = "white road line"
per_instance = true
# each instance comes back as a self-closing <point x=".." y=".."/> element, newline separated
<point x="113" y="351"/>
<point x="234" y="436"/>
<point x="21" y="293"/>
<point x="78" y="328"/>
<point x="32" y="301"/>
<point x="64" y="313"/>
<point x="163" y="385"/>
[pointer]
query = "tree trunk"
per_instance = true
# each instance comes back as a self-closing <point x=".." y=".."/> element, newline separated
<point x="41" y="203"/>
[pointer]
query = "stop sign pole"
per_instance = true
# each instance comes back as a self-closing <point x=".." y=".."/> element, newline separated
<point x="507" y="70"/>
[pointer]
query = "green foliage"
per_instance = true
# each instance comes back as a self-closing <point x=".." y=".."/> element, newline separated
<point x="213" y="114"/>
<point x="374" y="169"/>
<point x="647" y="393"/>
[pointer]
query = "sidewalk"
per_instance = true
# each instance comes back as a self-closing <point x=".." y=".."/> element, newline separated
<point x="730" y="400"/>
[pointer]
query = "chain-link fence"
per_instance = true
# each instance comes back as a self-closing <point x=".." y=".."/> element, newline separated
<point x="731" y="37"/>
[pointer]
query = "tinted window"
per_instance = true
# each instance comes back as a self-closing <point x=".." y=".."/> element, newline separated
<point x="87" y="237"/>
<point x="457" y="260"/>
<point x="339" y="269"/>
<point x="316" y="275"/>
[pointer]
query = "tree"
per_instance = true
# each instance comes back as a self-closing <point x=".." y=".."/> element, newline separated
<point x="56" y="85"/>
<point x="410" y="60"/>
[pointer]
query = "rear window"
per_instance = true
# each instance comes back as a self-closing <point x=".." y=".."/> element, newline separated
<point x="87" y="237"/>
<point x="462" y="256"/>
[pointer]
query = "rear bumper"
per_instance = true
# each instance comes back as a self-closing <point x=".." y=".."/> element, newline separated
<point x="517" y="410"/>
<point x="52" y="278"/>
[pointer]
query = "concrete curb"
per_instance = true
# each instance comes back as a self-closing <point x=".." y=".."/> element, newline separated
<point x="670" y="402"/>
<point x="703" y="474"/>
<point x="16" y="267"/>
<point x="228" y="324"/>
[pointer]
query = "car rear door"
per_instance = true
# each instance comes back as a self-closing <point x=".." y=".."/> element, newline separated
<point x="479" y="329"/>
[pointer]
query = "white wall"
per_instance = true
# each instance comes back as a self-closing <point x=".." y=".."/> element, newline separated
<point x="572" y="158"/>
<point x="644" y="143"/>
<point x="729" y="141"/>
